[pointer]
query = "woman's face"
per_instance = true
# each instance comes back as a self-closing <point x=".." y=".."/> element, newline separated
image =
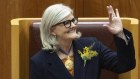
<point x="66" y="30"/>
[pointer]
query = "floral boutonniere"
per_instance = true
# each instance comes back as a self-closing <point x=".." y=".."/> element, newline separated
<point x="87" y="53"/>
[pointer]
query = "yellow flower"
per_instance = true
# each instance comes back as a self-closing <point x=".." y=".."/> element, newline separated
<point x="87" y="53"/>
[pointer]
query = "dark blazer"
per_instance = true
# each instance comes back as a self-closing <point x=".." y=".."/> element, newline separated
<point x="46" y="65"/>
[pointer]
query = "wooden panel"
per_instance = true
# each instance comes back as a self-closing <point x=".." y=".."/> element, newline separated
<point x="35" y="8"/>
<point x="5" y="49"/>
<point x="79" y="8"/>
<point x="20" y="60"/>
<point x="97" y="8"/>
<point x="94" y="8"/>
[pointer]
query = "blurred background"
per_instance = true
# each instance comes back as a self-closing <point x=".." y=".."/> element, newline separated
<point x="10" y="9"/>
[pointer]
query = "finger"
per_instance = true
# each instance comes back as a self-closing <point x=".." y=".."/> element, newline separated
<point x="109" y="14"/>
<point x="110" y="17"/>
<point x="117" y="13"/>
<point x="110" y="8"/>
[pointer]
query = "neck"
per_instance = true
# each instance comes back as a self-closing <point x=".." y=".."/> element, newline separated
<point x="65" y="45"/>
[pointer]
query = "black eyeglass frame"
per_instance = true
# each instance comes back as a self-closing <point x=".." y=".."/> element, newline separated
<point x="74" y="20"/>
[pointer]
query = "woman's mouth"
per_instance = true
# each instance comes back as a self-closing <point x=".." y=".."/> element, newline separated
<point x="71" y="31"/>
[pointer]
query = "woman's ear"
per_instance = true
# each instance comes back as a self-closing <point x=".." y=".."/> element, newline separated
<point x="52" y="31"/>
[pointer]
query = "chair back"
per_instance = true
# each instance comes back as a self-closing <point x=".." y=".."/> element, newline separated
<point x="25" y="39"/>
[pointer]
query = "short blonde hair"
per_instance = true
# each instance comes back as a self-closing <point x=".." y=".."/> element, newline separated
<point x="52" y="15"/>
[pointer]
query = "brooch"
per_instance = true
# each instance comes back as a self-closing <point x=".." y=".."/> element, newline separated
<point x="87" y="53"/>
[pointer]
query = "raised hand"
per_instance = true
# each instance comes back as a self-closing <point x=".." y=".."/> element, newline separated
<point x="115" y="24"/>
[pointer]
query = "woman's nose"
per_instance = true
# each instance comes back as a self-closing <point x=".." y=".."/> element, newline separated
<point x="73" y="25"/>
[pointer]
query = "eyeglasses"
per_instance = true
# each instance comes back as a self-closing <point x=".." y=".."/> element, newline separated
<point x="67" y="23"/>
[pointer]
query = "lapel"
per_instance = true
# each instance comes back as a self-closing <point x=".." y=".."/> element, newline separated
<point x="58" y="69"/>
<point x="79" y="70"/>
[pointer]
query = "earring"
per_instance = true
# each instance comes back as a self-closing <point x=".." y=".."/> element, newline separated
<point x="54" y="36"/>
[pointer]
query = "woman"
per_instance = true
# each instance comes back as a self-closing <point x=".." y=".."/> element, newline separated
<point x="67" y="56"/>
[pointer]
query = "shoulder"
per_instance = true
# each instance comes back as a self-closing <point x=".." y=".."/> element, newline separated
<point x="40" y="56"/>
